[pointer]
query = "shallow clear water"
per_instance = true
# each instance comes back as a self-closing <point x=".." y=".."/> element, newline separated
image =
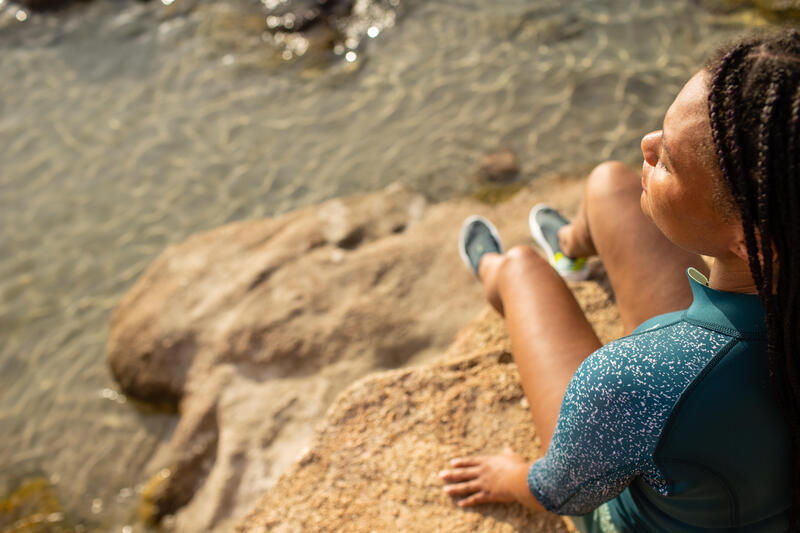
<point x="125" y="127"/>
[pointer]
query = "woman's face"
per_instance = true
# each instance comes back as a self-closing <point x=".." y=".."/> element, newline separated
<point x="679" y="175"/>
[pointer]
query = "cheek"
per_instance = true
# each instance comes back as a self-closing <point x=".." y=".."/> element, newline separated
<point x="667" y="208"/>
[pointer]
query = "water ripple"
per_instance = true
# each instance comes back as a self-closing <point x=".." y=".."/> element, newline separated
<point x="126" y="127"/>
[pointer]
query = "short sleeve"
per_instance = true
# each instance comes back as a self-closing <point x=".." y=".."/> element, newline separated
<point x="612" y="416"/>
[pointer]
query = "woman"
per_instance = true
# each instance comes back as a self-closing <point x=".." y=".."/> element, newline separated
<point x="692" y="421"/>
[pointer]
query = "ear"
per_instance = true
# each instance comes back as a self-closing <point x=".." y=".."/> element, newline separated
<point x="739" y="246"/>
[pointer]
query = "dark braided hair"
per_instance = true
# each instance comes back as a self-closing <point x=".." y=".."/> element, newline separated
<point x="754" y="109"/>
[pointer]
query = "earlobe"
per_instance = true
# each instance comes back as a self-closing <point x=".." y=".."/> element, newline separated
<point x="741" y="251"/>
<point x="739" y="247"/>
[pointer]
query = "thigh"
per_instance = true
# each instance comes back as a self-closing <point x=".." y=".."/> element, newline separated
<point x="646" y="270"/>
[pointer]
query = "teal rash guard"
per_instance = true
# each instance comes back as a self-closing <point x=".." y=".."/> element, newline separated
<point x="674" y="428"/>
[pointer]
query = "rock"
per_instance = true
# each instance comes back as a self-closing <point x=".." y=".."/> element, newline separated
<point x="43" y="5"/>
<point x="500" y="166"/>
<point x="267" y="292"/>
<point x="772" y="8"/>
<point x="195" y="444"/>
<point x="254" y="328"/>
<point x="777" y="6"/>
<point x="300" y="15"/>
<point x="373" y="462"/>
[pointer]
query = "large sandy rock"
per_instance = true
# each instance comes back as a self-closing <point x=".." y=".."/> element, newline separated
<point x="254" y="328"/>
<point x="285" y="295"/>
<point x="373" y="463"/>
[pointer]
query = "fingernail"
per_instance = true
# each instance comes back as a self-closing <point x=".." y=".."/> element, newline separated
<point x="443" y="473"/>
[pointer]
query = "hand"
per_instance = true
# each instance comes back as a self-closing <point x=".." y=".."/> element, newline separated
<point x="490" y="478"/>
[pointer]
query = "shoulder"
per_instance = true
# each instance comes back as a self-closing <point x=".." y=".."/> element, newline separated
<point x="652" y="365"/>
<point x="660" y="342"/>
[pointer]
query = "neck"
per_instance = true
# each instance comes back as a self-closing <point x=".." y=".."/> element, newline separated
<point x="731" y="274"/>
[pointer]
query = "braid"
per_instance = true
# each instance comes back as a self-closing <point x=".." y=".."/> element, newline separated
<point x="763" y="198"/>
<point x="723" y="111"/>
<point x="790" y="285"/>
<point x="754" y="110"/>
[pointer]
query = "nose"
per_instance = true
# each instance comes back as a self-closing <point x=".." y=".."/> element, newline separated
<point x="651" y="145"/>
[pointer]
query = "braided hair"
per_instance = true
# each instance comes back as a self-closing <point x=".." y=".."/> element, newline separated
<point x="754" y="109"/>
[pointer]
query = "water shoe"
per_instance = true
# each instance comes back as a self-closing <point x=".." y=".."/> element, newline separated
<point x="478" y="236"/>
<point x="545" y="222"/>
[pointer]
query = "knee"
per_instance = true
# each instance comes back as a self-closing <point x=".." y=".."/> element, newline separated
<point x="522" y="258"/>
<point x="609" y="179"/>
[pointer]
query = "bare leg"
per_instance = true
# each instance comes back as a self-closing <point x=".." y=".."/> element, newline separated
<point x="550" y="336"/>
<point x="646" y="271"/>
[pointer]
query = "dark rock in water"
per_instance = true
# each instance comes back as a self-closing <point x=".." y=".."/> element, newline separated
<point x="774" y="8"/>
<point x="499" y="166"/>
<point x="43" y="5"/>
<point x="299" y="15"/>
<point x="52" y="5"/>
<point x="777" y="5"/>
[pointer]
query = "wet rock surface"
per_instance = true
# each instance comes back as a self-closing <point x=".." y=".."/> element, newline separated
<point x="254" y="328"/>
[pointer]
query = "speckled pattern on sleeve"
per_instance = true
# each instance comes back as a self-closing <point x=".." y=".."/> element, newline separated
<point x="614" y="411"/>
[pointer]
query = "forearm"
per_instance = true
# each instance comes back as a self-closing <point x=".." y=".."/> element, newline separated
<point x="518" y="484"/>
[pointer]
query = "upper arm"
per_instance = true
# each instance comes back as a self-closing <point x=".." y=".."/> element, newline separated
<point x="603" y="438"/>
<point x="614" y="412"/>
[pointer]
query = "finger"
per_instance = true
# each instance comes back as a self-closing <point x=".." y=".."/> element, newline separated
<point x="462" y="489"/>
<point x="475" y="499"/>
<point x="459" y="474"/>
<point x="459" y="462"/>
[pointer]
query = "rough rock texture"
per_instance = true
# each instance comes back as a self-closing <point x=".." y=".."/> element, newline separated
<point x="255" y="327"/>
<point x="373" y="463"/>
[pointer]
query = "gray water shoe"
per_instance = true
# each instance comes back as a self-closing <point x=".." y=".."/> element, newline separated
<point x="545" y="222"/>
<point x="478" y="236"/>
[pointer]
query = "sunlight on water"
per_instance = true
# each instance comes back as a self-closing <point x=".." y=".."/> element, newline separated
<point x="125" y="127"/>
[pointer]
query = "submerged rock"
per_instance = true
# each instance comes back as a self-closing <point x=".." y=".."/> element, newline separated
<point x="300" y="15"/>
<point x="777" y="6"/>
<point x="775" y="10"/>
<point x="43" y="5"/>
<point x="500" y="166"/>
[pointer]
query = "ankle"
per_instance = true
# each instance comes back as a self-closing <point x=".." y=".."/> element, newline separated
<point x="488" y="264"/>
<point x="566" y="240"/>
<point x="572" y="245"/>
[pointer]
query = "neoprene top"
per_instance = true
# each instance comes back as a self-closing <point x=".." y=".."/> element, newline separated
<point x="674" y="427"/>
